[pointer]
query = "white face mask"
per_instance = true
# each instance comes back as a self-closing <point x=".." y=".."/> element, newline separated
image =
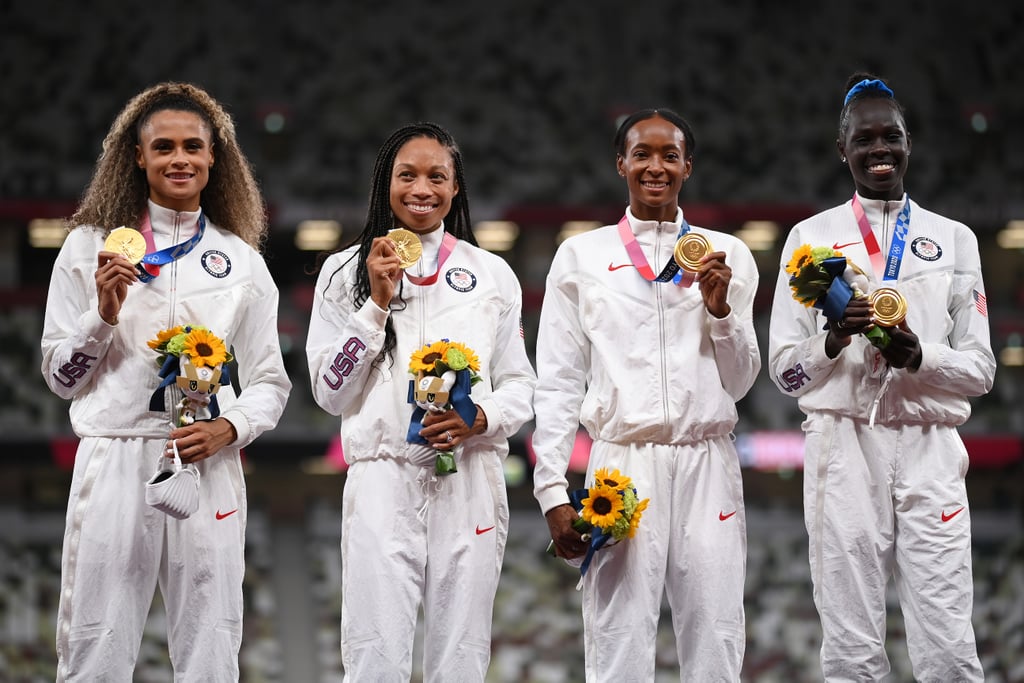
<point x="174" y="488"/>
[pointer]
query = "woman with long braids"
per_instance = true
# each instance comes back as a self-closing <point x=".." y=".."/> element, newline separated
<point x="412" y="537"/>
<point x="884" y="466"/>
<point x="170" y="167"/>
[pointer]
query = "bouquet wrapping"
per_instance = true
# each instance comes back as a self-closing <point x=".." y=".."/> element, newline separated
<point x="444" y="374"/>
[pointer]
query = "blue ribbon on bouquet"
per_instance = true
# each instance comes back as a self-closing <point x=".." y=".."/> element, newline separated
<point x="597" y="537"/>
<point x="169" y="371"/>
<point x="833" y="302"/>
<point x="458" y="397"/>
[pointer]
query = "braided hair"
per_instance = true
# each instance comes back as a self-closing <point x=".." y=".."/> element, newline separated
<point x="118" y="191"/>
<point x="644" y="114"/>
<point x="380" y="218"/>
<point x="862" y="86"/>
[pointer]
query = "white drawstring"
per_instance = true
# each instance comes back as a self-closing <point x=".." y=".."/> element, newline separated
<point x="425" y="479"/>
<point x="886" y="378"/>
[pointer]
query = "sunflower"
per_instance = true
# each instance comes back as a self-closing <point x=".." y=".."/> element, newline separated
<point x="801" y="257"/>
<point x="613" y="479"/>
<point x="602" y="506"/>
<point x="423" y="360"/>
<point x="205" y="348"/>
<point x="460" y="356"/>
<point x="163" y="336"/>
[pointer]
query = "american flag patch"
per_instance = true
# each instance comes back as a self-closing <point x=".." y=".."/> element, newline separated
<point x="980" y="302"/>
<point x="522" y="334"/>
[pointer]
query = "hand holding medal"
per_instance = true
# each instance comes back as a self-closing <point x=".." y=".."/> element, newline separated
<point x="112" y="275"/>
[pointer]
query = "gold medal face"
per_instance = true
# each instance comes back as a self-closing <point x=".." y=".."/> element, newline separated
<point x="889" y="305"/>
<point x="407" y="246"/>
<point x="126" y="242"/>
<point x="690" y="249"/>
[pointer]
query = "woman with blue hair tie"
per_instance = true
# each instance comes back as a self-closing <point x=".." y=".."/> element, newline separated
<point x="884" y="466"/>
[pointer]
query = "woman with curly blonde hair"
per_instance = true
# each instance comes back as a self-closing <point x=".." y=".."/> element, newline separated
<point x="172" y="169"/>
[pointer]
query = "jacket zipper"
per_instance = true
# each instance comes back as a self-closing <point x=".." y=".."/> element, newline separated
<point x="661" y="333"/>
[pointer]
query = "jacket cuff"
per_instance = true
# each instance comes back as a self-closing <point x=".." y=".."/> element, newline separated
<point x="96" y="327"/>
<point x="241" y="424"/>
<point x="552" y="497"/>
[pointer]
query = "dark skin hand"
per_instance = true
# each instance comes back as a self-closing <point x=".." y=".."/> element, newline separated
<point x="437" y="426"/>
<point x="201" y="439"/>
<point x="714" y="277"/>
<point x="903" y="351"/>
<point x="114" y="275"/>
<point x="569" y="543"/>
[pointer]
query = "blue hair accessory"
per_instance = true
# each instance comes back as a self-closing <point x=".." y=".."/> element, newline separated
<point x="868" y="84"/>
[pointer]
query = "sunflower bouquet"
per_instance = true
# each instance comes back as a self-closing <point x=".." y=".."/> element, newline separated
<point x="823" y="278"/>
<point x="195" y="360"/>
<point x="444" y="373"/>
<point x="609" y="510"/>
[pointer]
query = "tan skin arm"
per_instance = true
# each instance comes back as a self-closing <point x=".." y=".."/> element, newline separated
<point x="114" y="275"/>
<point x="201" y="439"/>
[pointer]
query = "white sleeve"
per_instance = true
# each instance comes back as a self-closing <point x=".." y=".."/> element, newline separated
<point x="75" y="339"/>
<point x="342" y="342"/>
<point x="966" y="364"/>
<point x="733" y="336"/>
<point x="510" y="404"/>
<point x="563" y="356"/>
<point x="796" y="346"/>
<point x="262" y="378"/>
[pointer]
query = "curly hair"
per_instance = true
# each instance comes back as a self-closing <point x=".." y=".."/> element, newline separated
<point x="118" y="191"/>
<point x="380" y="218"/>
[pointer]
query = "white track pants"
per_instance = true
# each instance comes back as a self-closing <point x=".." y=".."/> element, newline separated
<point x="881" y="503"/>
<point x="117" y="550"/>
<point x="691" y="543"/>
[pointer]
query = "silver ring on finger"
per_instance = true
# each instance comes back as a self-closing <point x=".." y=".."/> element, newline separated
<point x="449" y="438"/>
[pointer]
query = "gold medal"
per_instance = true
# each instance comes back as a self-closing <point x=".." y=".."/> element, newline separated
<point x="407" y="246"/>
<point x="690" y="249"/>
<point x="889" y="305"/>
<point x="126" y="242"/>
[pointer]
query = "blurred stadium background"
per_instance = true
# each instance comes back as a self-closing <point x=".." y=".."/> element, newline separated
<point x="533" y="91"/>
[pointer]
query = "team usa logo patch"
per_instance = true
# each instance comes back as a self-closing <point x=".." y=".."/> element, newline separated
<point x="460" y="279"/>
<point x="926" y="249"/>
<point x="216" y="263"/>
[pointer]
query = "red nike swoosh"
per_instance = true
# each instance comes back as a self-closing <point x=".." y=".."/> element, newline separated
<point x="837" y="247"/>
<point x="722" y="516"/>
<point x="482" y="531"/>
<point x="226" y="514"/>
<point x="946" y="518"/>
<point x="612" y="267"/>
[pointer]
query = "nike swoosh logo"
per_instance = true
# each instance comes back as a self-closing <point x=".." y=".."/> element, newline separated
<point x="837" y="247"/>
<point x="482" y="531"/>
<point x="226" y="514"/>
<point x="946" y="518"/>
<point x="722" y="516"/>
<point x="612" y="266"/>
